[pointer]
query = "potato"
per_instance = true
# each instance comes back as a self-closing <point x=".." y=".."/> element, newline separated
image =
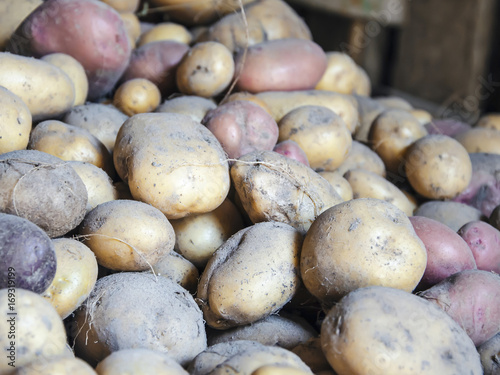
<point x="166" y="31"/>
<point x="157" y="62"/>
<point x="12" y="13"/>
<point x="99" y="185"/>
<point x="262" y="24"/>
<point x="27" y="255"/>
<point x="423" y="116"/>
<point x="44" y="88"/>
<point x="75" y="277"/>
<point x="272" y="187"/>
<point x="339" y="183"/>
<point x="138" y="310"/>
<point x="394" y="102"/>
<point x="279" y="369"/>
<point x="198" y="236"/>
<point x="243" y="95"/>
<point x="438" y="167"/>
<point x="449" y="127"/>
<point x="103" y="50"/>
<point x="141" y="362"/>
<point x="206" y="70"/>
<point x="133" y="27"/>
<point x="362" y="85"/>
<point x="194" y="106"/>
<point x="362" y="157"/>
<point x="56" y="366"/>
<point x="489" y="352"/>
<point x="69" y="142"/>
<point x="182" y="170"/>
<point x="312" y="355"/>
<point x="177" y="268"/>
<point x="368" y="109"/>
<point x="358" y="243"/>
<point x="123" y="6"/>
<point x="244" y="281"/>
<point x="75" y="72"/>
<point x="292" y="150"/>
<point x="280" y="65"/>
<point x="341" y="75"/>
<point x="282" y="102"/>
<point x="127" y="235"/>
<point x="35" y="332"/>
<point x="274" y="330"/>
<point x="242" y="127"/>
<point x="137" y="95"/>
<point x="366" y="184"/>
<point x="470" y="297"/>
<point x="43" y="189"/>
<point x="489" y="121"/>
<point x="102" y="120"/>
<point x="321" y="133"/>
<point x="483" y="240"/>
<point x="452" y="214"/>
<point x="390" y="135"/>
<point x="16" y="122"/>
<point x="379" y="330"/>
<point x="480" y="140"/>
<point x="447" y="252"/>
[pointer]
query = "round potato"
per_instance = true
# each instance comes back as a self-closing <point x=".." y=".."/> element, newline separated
<point x="57" y="366"/>
<point x="166" y="31"/>
<point x="127" y="235"/>
<point x="193" y="106"/>
<point x="362" y="157"/>
<point x="339" y="183"/>
<point x="438" y="167"/>
<point x="452" y="214"/>
<point x="292" y="150"/>
<point x="423" y="116"/>
<point x="360" y="243"/>
<point x="12" y="13"/>
<point x="480" y="140"/>
<point x="75" y="72"/>
<point x="15" y="126"/>
<point x="75" y="276"/>
<point x="341" y="73"/>
<point x="182" y="170"/>
<point x="489" y="121"/>
<point x="137" y="95"/>
<point x="38" y="329"/>
<point x="198" y="236"/>
<point x="321" y="133"/>
<point x="132" y="25"/>
<point x="378" y="331"/>
<point x="391" y="133"/>
<point x="366" y="184"/>
<point x="177" y="268"/>
<point x="242" y="95"/>
<point x="245" y="281"/>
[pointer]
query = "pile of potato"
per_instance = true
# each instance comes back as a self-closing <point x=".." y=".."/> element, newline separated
<point x="196" y="187"/>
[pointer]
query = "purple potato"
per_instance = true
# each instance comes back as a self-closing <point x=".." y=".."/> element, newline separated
<point x="27" y="255"/>
<point x="447" y="127"/>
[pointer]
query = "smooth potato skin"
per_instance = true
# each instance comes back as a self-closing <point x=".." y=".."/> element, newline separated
<point x="362" y="157"/>
<point x="291" y="150"/>
<point x="452" y="214"/>
<point x="476" y="140"/>
<point x="280" y="65"/>
<point x="489" y="352"/>
<point x="447" y="252"/>
<point x="484" y="242"/>
<point x="16" y="122"/>
<point x="57" y="366"/>
<point x="470" y="297"/>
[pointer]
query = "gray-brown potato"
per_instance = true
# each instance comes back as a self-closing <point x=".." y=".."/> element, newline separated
<point x="312" y="355"/>
<point x="490" y="355"/>
<point x="275" y="330"/>
<point x="138" y="310"/>
<point x="368" y="109"/>
<point x="252" y="275"/>
<point x="358" y="243"/>
<point x="194" y="106"/>
<point x="177" y="268"/>
<point x="43" y="189"/>
<point x="102" y="120"/>
<point x="362" y="157"/>
<point x="272" y="187"/>
<point x="380" y="331"/>
<point x="453" y="214"/>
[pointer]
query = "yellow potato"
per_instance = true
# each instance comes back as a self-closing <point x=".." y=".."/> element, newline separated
<point x="363" y="157"/>
<point x="490" y="121"/>
<point x="15" y="124"/>
<point x="133" y="26"/>
<point x="480" y="139"/>
<point x="12" y="13"/>
<point x="138" y="95"/>
<point x="166" y="31"/>
<point x="195" y="107"/>
<point x="75" y="72"/>
<point x="340" y="75"/>
<point x="123" y="6"/>
<point x="177" y="268"/>
<point x="339" y="183"/>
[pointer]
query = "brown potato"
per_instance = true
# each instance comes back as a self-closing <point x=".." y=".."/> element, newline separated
<point x="137" y="95"/>
<point x="206" y="70"/>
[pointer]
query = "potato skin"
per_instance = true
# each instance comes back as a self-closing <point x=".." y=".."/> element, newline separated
<point x="480" y="140"/>
<point x="16" y="122"/>
<point x="12" y="13"/>
<point x="62" y="365"/>
<point x="280" y="65"/>
<point x="470" y="297"/>
<point x="193" y="106"/>
<point x="362" y="157"/>
<point x="489" y="355"/>
<point x="245" y="281"/>
<point x="137" y="95"/>
<point x="45" y="89"/>
<point x="484" y="241"/>
<point x="291" y="150"/>
<point x="452" y="214"/>
<point x="379" y="330"/>
<point x="358" y="243"/>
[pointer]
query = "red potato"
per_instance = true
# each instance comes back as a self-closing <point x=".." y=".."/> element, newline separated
<point x="242" y="127"/>
<point x="447" y="252"/>
<point x="89" y="30"/>
<point x="484" y="242"/>
<point x="471" y="298"/>
<point x="291" y="150"/>
<point x="280" y="65"/>
<point x="157" y="62"/>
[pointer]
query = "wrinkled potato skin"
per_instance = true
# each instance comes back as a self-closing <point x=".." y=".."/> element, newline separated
<point x="379" y="331"/>
<point x="15" y="126"/>
<point x="252" y="275"/>
<point x="360" y="243"/>
<point x="272" y="187"/>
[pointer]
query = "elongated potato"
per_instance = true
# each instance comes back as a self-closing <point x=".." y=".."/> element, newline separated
<point x="480" y="140"/>
<point x="43" y="87"/>
<point x="15" y="126"/>
<point x="166" y="31"/>
<point x="12" y="13"/>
